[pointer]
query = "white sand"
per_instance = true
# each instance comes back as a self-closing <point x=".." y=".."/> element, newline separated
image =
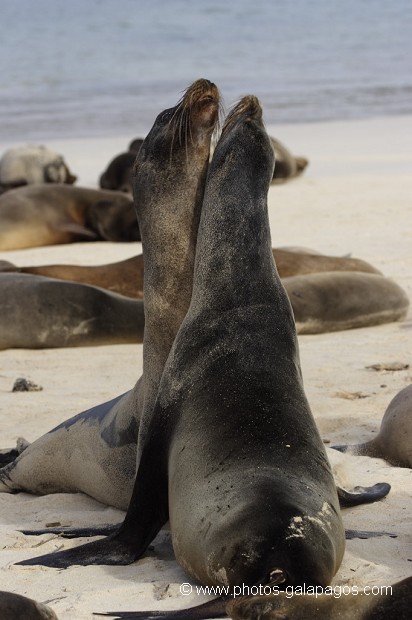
<point x="355" y="197"/>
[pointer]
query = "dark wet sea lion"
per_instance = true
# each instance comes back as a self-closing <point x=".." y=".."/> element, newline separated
<point x="334" y="301"/>
<point x="51" y="214"/>
<point x="394" y="440"/>
<point x="126" y="277"/>
<point x="370" y="603"/>
<point x="241" y="471"/>
<point x="171" y="183"/>
<point x="17" y="607"/>
<point x="40" y="313"/>
<point x="119" y="173"/>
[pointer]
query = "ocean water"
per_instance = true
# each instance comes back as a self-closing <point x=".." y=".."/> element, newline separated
<point x="105" y="67"/>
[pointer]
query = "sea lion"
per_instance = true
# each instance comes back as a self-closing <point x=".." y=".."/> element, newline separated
<point x="287" y="166"/>
<point x="340" y="603"/>
<point x="241" y="471"/>
<point x="394" y="440"/>
<point x="64" y="314"/>
<point x="52" y="214"/>
<point x="334" y="301"/>
<point x="119" y="172"/>
<point x="126" y="277"/>
<point x="17" y="607"/>
<point x="321" y="303"/>
<point x="170" y="182"/>
<point x="26" y="165"/>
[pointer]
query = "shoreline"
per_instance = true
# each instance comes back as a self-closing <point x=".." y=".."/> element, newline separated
<point x="353" y="198"/>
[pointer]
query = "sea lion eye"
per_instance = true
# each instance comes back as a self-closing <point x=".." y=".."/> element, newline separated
<point x="277" y="576"/>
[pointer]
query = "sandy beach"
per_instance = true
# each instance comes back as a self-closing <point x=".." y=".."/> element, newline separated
<point x="354" y="198"/>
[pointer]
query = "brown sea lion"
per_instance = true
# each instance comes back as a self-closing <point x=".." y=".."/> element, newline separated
<point x="51" y="214"/>
<point x="126" y="277"/>
<point x="394" y="440"/>
<point x="286" y="165"/>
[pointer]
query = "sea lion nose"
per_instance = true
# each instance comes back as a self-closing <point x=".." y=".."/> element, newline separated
<point x="277" y="576"/>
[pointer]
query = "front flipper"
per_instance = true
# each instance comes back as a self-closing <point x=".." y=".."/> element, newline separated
<point x="75" y="532"/>
<point x="363" y="495"/>
<point x="147" y="513"/>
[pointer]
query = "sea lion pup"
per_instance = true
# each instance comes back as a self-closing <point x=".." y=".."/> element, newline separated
<point x="394" y="440"/>
<point x="51" y="214"/>
<point x="26" y="165"/>
<point x="126" y="277"/>
<point x="339" y="300"/>
<point x="42" y="313"/>
<point x="230" y="452"/>
<point x="171" y="183"/>
<point x="381" y="603"/>
<point x="287" y="166"/>
<point x="17" y="607"/>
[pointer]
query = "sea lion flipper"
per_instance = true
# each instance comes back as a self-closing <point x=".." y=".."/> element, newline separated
<point x="78" y="229"/>
<point x="363" y="495"/>
<point x="74" y="532"/>
<point x="146" y="514"/>
<point x="215" y="608"/>
<point x="105" y="551"/>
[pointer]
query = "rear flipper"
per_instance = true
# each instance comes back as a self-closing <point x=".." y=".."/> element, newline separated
<point x="212" y="609"/>
<point x="76" y="532"/>
<point x="364" y="535"/>
<point x="9" y="455"/>
<point x="363" y="495"/>
<point x="112" y="550"/>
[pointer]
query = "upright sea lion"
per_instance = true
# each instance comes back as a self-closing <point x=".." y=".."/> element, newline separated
<point x="126" y="276"/>
<point x="170" y="181"/>
<point x="230" y="452"/>
<point x="51" y="214"/>
<point x="26" y="165"/>
<point x="394" y="440"/>
<point x="371" y="603"/>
